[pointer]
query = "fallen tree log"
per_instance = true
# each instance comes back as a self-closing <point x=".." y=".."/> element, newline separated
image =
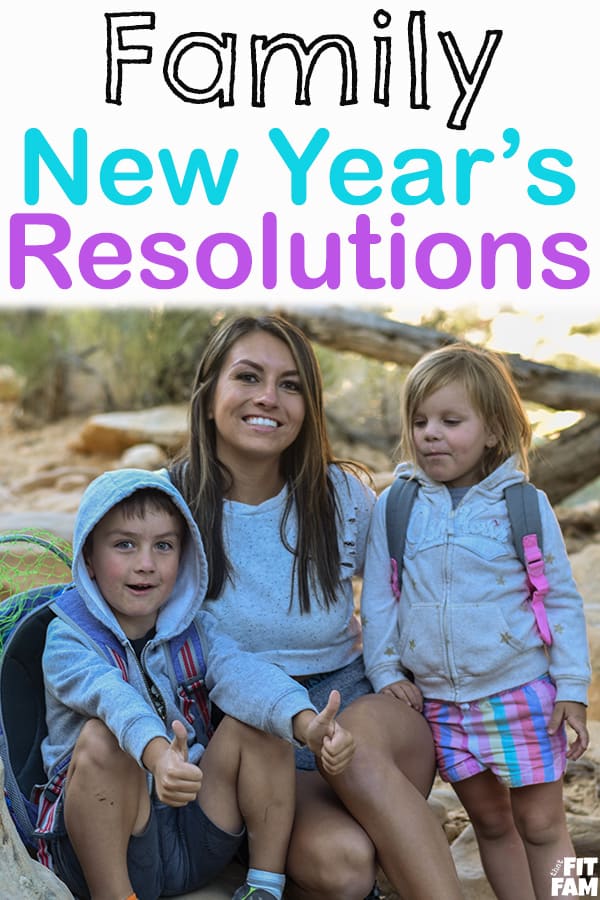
<point x="560" y="466"/>
<point x="373" y="335"/>
<point x="568" y="462"/>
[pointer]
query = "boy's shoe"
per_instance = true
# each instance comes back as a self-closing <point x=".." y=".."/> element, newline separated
<point x="246" y="892"/>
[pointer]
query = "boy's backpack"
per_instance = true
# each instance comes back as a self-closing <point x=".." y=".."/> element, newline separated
<point x="526" y="526"/>
<point x="24" y="619"/>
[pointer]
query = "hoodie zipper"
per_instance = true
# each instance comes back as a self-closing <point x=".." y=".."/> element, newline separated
<point x="155" y="696"/>
<point x="447" y="586"/>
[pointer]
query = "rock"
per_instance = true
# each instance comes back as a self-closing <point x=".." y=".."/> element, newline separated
<point x="443" y="793"/>
<point x="112" y="433"/>
<point x="593" y="752"/>
<point x="439" y="809"/>
<point x="72" y="481"/>
<point x="594" y="691"/>
<point x="11" y="384"/>
<point x="21" y="877"/>
<point x="465" y="853"/>
<point x="585" y="834"/>
<point x="7" y="498"/>
<point x="585" y="565"/>
<point x="64" y="478"/>
<point x="59" y="523"/>
<point x="142" y="456"/>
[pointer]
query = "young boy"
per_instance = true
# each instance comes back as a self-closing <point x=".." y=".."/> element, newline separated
<point x="149" y="806"/>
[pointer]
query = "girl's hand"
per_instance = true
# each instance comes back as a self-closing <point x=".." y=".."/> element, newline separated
<point x="574" y="714"/>
<point x="406" y="691"/>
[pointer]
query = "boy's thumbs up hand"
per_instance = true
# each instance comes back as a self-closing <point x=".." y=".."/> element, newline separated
<point x="328" y="739"/>
<point x="176" y="781"/>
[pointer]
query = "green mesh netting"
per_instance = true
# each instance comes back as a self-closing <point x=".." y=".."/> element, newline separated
<point x="29" y="559"/>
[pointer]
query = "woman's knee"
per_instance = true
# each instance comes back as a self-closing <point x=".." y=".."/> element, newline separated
<point x="390" y="733"/>
<point x="330" y="855"/>
<point x="336" y="865"/>
<point x="383" y="719"/>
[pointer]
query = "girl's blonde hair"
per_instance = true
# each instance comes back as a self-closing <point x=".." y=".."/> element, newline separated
<point x="490" y="388"/>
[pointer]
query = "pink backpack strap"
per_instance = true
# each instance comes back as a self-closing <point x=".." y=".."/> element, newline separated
<point x="534" y="564"/>
<point x="526" y="525"/>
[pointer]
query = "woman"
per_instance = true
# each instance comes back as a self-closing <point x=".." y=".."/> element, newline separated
<point x="285" y="527"/>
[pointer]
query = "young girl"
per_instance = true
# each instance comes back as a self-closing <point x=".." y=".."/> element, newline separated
<point x="461" y="642"/>
<point x="285" y="526"/>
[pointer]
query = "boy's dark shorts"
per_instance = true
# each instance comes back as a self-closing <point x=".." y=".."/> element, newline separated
<point x="180" y="851"/>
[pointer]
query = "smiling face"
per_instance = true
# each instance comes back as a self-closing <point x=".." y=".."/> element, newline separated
<point x="257" y="407"/>
<point x="450" y="437"/>
<point x="134" y="561"/>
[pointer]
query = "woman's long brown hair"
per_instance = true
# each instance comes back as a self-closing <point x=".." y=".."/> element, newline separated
<point x="204" y="480"/>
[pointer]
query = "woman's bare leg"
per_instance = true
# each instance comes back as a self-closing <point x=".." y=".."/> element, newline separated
<point x="330" y="856"/>
<point x="385" y="788"/>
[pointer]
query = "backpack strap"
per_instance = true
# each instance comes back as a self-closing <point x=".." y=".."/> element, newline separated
<point x="71" y="608"/>
<point x="189" y="668"/>
<point x="185" y="653"/>
<point x="526" y="525"/>
<point x="399" y="504"/>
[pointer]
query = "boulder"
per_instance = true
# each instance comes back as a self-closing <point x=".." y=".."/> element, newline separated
<point x="112" y="433"/>
<point x="60" y="523"/>
<point x="11" y="383"/>
<point x="142" y="456"/>
<point x="21" y="877"/>
<point x="585" y="565"/>
<point x="465" y="853"/>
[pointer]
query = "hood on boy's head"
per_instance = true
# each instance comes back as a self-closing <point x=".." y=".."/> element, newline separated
<point x="109" y="489"/>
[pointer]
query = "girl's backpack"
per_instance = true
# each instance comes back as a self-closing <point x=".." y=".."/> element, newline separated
<point x="526" y="526"/>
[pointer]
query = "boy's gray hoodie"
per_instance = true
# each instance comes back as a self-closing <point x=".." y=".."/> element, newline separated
<point x="81" y="683"/>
